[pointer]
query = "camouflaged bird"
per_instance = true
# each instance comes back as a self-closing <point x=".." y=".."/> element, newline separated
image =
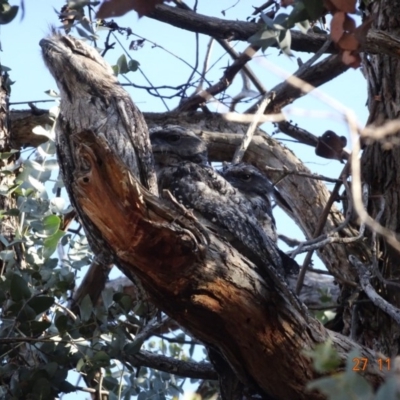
<point x="258" y="190"/>
<point x="93" y="100"/>
<point x="182" y="168"/>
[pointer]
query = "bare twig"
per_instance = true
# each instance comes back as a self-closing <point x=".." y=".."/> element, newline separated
<point x="205" y="65"/>
<point x="320" y="227"/>
<point x="239" y="153"/>
<point x="369" y="290"/>
<point x="286" y="172"/>
<point x="323" y="240"/>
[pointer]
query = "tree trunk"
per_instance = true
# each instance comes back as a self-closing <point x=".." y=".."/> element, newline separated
<point x="381" y="171"/>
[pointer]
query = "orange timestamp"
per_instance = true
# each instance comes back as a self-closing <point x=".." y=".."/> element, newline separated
<point x="360" y="364"/>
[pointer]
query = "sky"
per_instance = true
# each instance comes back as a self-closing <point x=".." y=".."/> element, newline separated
<point x="21" y="52"/>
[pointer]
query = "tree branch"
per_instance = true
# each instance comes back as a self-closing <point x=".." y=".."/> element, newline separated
<point x="256" y="323"/>
<point x="378" y="42"/>
<point x="189" y="369"/>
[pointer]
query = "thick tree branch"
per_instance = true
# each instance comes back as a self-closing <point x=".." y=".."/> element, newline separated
<point x="256" y="323"/>
<point x="306" y="199"/>
<point x="378" y="42"/>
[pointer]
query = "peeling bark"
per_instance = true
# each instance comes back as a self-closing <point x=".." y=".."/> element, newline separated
<point x="257" y="324"/>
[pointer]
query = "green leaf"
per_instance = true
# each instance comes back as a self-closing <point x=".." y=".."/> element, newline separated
<point x="285" y="40"/>
<point x="38" y="186"/>
<point x="61" y="323"/>
<point x="281" y="21"/>
<point x="41" y="303"/>
<point x="115" y="68"/>
<point x="133" y="65"/>
<point x="124" y="300"/>
<point x="388" y="390"/>
<point x="19" y="289"/>
<point x="26" y="314"/>
<point x="12" y="212"/>
<point x="268" y="21"/>
<point x="88" y="26"/>
<point x="122" y="65"/>
<point x="42" y="389"/>
<point x="81" y="363"/>
<point x="49" y="225"/>
<point x="7" y="154"/>
<point x="298" y="14"/>
<point x="7" y="13"/>
<point x="50" y="244"/>
<point x="86" y="308"/>
<point x="325" y="357"/>
<point x="51" y="368"/>
<point x="6" y="255"/>
<point x="314" y="8"/>
<point x="101" y="359"/>
<point x="107" y="296"/>
<point x="264" y="38"/>
<point x="66" y="387"/>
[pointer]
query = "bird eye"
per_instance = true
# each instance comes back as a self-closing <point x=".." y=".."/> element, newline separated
<point x="246" y="177"/>
<point x="173" y="138"/>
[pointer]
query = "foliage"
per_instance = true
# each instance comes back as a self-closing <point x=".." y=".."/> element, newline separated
<point x="349" y="383"/>
<point x="40" y="342"/>
<point x="41" y="339"/>
<point x="7" y="12"/>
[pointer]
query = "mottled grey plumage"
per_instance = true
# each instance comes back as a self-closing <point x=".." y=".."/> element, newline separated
<point x="200" y="188"/>
<point x="92" y="99"/>
<point x="173" y="144"/>
<point x="257" y="189"/>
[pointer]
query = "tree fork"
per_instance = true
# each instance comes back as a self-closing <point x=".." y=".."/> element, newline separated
<point x="202" y="282"/>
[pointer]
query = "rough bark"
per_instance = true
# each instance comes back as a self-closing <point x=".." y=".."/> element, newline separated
<point x="8" y="223"/>
<point x="306" y="196"/>
<point x="256" y="323"/>
<point x="381" y="170"/>
<point x="379" y="41"/>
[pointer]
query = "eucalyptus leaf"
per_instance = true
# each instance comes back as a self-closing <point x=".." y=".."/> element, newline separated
<point x="7" y="14"/>
<point x="133" y="65"/>
<point x="101" y="359"/>
<point x="314" y="8"/>
<point x="50" y="244"/>
<point x="19" y="289"/>
<point x="122" y="64"/>
<point x="41" y="303"/>
<point x="86" y="308"/>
